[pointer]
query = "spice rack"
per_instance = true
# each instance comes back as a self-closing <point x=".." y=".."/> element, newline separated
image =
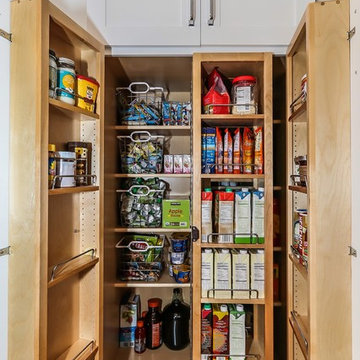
<point x="260" y="65"/>
<point x="310" y="283"/>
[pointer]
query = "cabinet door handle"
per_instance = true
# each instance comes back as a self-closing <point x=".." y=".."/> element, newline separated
<point x="192" y="17"/>
<point x="212" y="13"/>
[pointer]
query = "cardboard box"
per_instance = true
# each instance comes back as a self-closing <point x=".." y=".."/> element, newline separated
<point x="176" y="213"/>
<point x="129" y="310"/>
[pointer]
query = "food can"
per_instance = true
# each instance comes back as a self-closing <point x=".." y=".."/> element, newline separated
<point x="87" y="90"/>
<point x="66" y="81"/>
<point x="177" y="258"/>
<point x="65" y="166"/>
<point x="296" y="227"/>
<point x="52" y="74"/>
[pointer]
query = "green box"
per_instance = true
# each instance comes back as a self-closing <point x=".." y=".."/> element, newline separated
<point x="176" y="214"/>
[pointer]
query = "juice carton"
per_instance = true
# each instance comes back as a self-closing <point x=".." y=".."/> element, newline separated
<point x="219" y="152"/>
<point x="228" y="152"/>
<point x="176" y="213"/>
<point x="206" y="214"/>
<point x="207" y="273"/>
<point x="243" y="216"/>
<point x="206" y="329"/>
<point x="237" y="151"/>
<point x="220" y="329"/>
<point x="222" y="267"/>
<point x="168" y="164"/>
<point x="224" y="215"/>
<point x="240" y="273"/>
<point x="237" y="333"/>
<point x="178" y="164"/>
<point x="129" y="309"/>
<point x="257" y="261"/>
<point x="187" y="164"/>
<point x="258" y="223"/>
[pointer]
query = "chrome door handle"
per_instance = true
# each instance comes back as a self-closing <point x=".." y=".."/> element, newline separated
<point x="192" y="17"/>
<point x="212" y="13"/>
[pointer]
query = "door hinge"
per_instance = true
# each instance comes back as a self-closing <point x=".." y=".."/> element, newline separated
<point x="351" y="33"/>
<point x="6" y="35"/>
<point x="352" y="251"/>
<point x="5" y="251"/>
<point x="194" y="233"/>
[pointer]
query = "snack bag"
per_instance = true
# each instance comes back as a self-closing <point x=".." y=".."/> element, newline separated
<point x="217" y="94"/>
<point x="228" y="152"/>
<point x="219" y="152"/>
<point x="248" y="150"/>
<point x="259" y="150"/>
<point x="237" y="151"/>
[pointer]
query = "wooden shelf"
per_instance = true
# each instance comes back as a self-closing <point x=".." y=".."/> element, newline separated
<point x="301" y="268"/>
<point x="184" y="176"/>
<point x="223" y="120"/>
<point x="150" y="230"/>
<point x="72" y="268"/>
<point x="224" y="177"/>
<point x="277" y="304"/>
<point x="66" y="107"/>
<point x="277" y="122"/>
<point x="295" y="116"/>
<point x="163" y="353"/>
<point x="165" y="281"/>
<point x="80" y="350"/>
<point x="73" y="190"/>
<point x="160" y="129"/>
<point x="302" y="189"/>
<point x="277" y="248"/>
<point x="300" y="331"/>
<point x="277" y="188"/>
<point x="232" y="246"/>
<point x="232" y="301"/>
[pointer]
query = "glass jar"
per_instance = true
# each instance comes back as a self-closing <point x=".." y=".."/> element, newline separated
<point x="52" y="74"/>
<point x="245" y="94"/>
<point x="66" y="81"/>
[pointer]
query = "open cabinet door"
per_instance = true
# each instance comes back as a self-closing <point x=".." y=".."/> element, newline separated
<point x="4" y="174"/>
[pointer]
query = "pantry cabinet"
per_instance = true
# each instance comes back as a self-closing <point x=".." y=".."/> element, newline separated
<point x="193" y="22"/>
<point x="65" y="285"/>
<point x="319" y="201"/>
<point x="246" y="23"/>
<point x="143" y="22"/>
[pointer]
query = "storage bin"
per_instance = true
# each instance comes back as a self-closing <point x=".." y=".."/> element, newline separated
<point x="140" y="104"/>
<point x="140" y="203"/>
<point x="141" y="153"/>
<point x="140" y="257"/>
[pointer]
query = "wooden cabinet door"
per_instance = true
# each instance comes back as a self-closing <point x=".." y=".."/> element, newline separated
<point x="247" y="22"/>
<point x="144" y="22"/>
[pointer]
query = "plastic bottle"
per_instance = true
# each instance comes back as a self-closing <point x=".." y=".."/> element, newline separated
<point x="153" y="324"/>
<point x="176" y="317"/>
<point x="140" y="338"/>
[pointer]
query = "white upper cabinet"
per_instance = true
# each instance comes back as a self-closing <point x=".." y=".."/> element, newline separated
<point x="146" y="22"/>
<point x="247" y="22"/>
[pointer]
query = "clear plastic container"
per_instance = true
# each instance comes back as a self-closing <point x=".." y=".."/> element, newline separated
<point x="66" y="81"/>
<point x="245" y="94"/>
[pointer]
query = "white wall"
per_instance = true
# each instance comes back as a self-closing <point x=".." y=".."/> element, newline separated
<point x="76" y="9"/>
<point x="300" y="6"/>
<point x="355" y="174"/>
<point x="4" y="172"/>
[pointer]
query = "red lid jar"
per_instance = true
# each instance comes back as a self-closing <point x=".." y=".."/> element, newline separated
<point x="245" y="95"/>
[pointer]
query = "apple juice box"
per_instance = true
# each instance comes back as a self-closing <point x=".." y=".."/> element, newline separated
<point x="258" y="203"/>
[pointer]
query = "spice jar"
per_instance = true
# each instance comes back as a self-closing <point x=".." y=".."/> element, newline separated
<point x="52" y="164"/>
<point x="65" y="168"/>
<point x="52" y="74"/>
<point x="245" y="94"/>
<point x="83" y="161"/>
<point x="66" y="81"/>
